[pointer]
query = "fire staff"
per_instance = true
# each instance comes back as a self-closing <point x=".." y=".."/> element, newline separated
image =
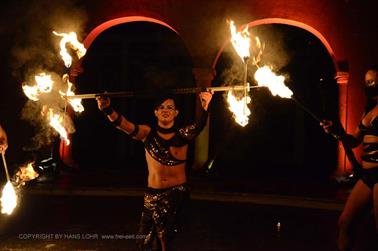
<point x="166" y="147"/>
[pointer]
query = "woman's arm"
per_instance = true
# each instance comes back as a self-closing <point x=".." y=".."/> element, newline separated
<point x="138" y="132"/>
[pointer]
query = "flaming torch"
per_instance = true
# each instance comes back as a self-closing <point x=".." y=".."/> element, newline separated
<point x="45" y="85"/>
<point x="70" y="38"/>
<point x="52" y="108"/>
<point x="56" y="122"/>
<point x="9" y="198"/>
<point x="241" y="43"/>
<point x="276" y="85"/>
<point x="74" y="102"/>
<point x="24" y="174"/>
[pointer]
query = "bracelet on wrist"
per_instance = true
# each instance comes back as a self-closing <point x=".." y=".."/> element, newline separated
<point x="117" y="121"/>
<point x="108" y="110"/>
<point x="135" y="131"/>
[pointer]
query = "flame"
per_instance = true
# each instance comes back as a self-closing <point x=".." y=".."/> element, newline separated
<point x="70" y="38"/>
<point x="56" y="121"/>
<point x="240" y="40"/>
<point x="31" y="92"/>
<point x="239" y="108"/>
<point x="259" y="48"/>
<point x="8" y="199"/>
<point x="26" y="173"/>
<point x="265" y="77"/>
<point x="76" y="102"/>
<point x="44" y="84"/>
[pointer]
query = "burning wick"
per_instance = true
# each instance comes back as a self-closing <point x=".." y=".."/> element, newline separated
<point x="241" y="42"/>
<point x="239" y="108"/>
<point x="70" y="38"/>
<point x="9" y="198"/>
<point x="25" y="174"/>
<point x="275" y="83"/>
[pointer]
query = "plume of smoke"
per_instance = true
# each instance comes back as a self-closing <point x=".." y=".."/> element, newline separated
<point x="44" y="134"/>
<point x="35" y="46"/>
<point x="36" y="112"/>
<point x="36" y="49"/>
<point x="273" y="42"/>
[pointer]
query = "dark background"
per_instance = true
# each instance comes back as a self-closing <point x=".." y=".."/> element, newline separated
<point x="280" y="139"/>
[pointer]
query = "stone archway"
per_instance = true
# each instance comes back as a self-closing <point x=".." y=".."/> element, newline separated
<point x="122" y="20"/>
<point x="66" y="151"/>
<point x="342" y="76"/>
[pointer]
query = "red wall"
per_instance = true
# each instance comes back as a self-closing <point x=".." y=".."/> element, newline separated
<point x="348" y="28"/>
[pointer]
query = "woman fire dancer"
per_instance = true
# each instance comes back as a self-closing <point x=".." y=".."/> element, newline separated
<point x="365" y="192"/>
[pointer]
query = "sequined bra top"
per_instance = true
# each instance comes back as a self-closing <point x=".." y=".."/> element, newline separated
<point x="370" y="150"/>
<point x="372" y="129"/>
<point x="159" y="148"/>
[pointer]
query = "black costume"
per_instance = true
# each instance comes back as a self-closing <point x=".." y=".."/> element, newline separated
<point x="161" y="216"/>
<point x="370" y="154"/>
<point x="163" y="207"/>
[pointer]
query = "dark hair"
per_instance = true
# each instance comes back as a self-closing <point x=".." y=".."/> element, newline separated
<point x="371" y="103"/>
<point x="163" y="97"/>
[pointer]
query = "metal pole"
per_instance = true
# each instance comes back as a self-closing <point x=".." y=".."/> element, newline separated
<point x="245" y="59"/>
<point x="149" y="93"/>
<point x="304" y="108"/>
<point x="5" y="166"/>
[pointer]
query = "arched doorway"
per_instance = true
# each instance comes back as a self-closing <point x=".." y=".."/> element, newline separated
<point x="280" y="139"/>
<point x="129" y="56"/>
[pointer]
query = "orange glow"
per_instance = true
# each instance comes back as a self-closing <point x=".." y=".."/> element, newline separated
<point x="276" y="84"/>
<point x="8" y="199"/>
<point x="106" y="25"/>
<point x="56" y="121"/>
<point x="240" y="40"/>
<point x="76" y="102"/>
<point x="44" y="84"/>
<point x="70" y="38"/>
<point x="25" y="174"/>
<point x="239" y="108"/>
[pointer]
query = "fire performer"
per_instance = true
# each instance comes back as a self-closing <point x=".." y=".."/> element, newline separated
<point x="166" y="147"/>
<point x="365" y="191"/>
<point x="3" y="140"/>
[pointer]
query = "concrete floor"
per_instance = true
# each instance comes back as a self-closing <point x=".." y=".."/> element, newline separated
<point x="110" y="223"/>
<point x="59" y="214"/>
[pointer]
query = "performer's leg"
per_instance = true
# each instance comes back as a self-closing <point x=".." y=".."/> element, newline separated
<point x="357" y="202"/>
<point x="175" y="216"/>
<point x="147" y="238"/>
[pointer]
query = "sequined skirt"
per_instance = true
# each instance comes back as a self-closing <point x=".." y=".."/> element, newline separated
<point x="161" y="215"/>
